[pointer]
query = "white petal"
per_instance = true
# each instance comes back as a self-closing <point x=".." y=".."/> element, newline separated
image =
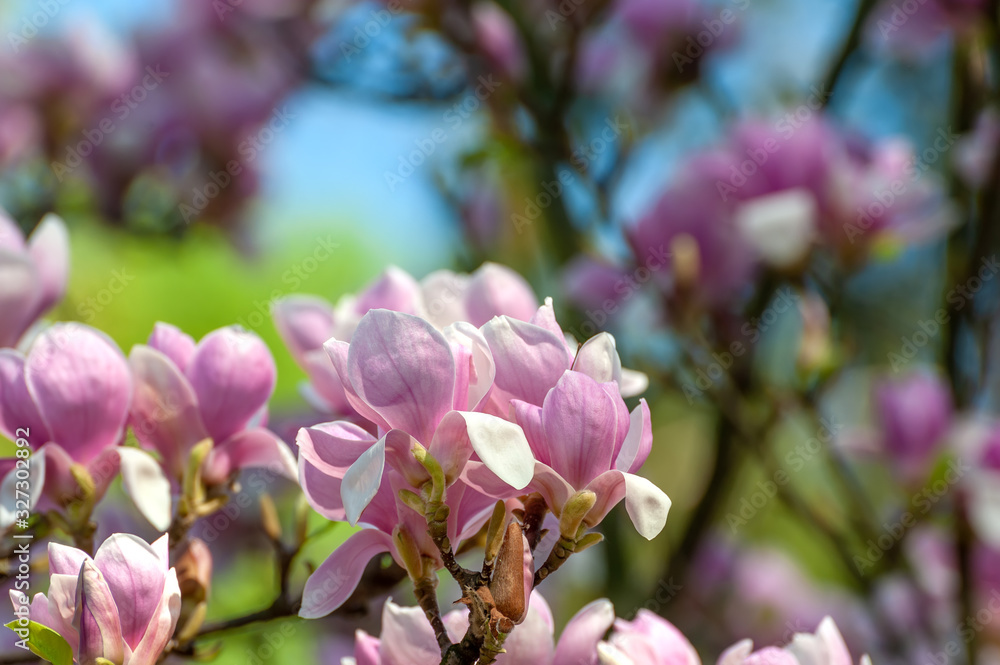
<point x="146" y="483"/>
<point x="502" y="447"/>
<point x="362" y="480"/>
<point x="646" y="504"/>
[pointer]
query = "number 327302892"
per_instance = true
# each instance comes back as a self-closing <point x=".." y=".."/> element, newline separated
<point x="22" y="471"/>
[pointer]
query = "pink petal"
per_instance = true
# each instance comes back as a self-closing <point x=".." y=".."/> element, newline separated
<point x="366" y="649"/>
<point x="578" y="643"/>
<point x="646" y="504"/>
<point x="136" y="576"/>
<point x="17" y="410"/>
<point x="304" y="323"/>
<point x="481" y="370"/>
<point x="62" y="604"/>
<point x="161" y="626"/>
<point x="394" y="289"/>
<point x="529" y="361"/>
<point x="172" y="342"/>
<point x="49" y="248"/>
<point x="233" y="375"/>
<point x="65" y="560"/>
<point x="11" y="236"/>
<point x="529" y="418"/>
<point x="638" y="442"/>
<point x="98" y="617"/>
<point x="334" y="581"/>
<point x="443" y="294"/>
<point x="404" y="370"/>
<point x="407" y="637"/>
<point x="581" y="423"/>
<point x="496" y="290"/>
<point x="325" y="381"/>
<point x="251" y="448"/>
<point x="736" y="654"/>
<point x="338" y="352"/>
<point x="650" y="638"/>
<point x="771" y="656"/>
<point x="20" y="296"/>
<point x="82" y="386"/>
<point x="164" y="413"/>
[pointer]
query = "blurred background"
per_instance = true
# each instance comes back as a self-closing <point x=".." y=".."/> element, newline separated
<point x="206" y="154"/>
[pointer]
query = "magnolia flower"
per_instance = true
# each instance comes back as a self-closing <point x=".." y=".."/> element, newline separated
<point x="584" y="439"/>
<point x="443" y="298"/>
<point x="121" y="605"/>
<point x="407" y="637"/>
<point x="646" y="640"/>
<point x="825" y="647"/>
<point x="915" y="414"/>
<point x="217" y="389"/>
<point x="32" y="276"/>
<point x="420" y="388"/>
<point x="69" y="398"/>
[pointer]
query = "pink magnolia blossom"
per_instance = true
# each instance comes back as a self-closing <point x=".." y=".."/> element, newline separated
<point x="407" y="638"/>
<point x="121" y="605"/>
<point x="420" y="388"/>
<point x="217" y="389"/>
<point x="584" y="439"/>
<point x="915" y="414"/>
<point x="825" y="647"/>
<point x="32" y="275"/>
<point x="70" y="399"/>
<point x="648" y="640"/>
<point x="443" y="298"/>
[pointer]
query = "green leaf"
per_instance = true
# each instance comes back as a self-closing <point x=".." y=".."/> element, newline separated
<point x="46" y="643"/>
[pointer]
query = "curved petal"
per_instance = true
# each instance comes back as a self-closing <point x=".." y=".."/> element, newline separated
<point x="325" y="381"/>
<point x="403" y="369"/>
<point x="82" y="386"/>
<point x="164" y="414"/>
<point x="304" y="323"/>
<point x="443" y="293"/>
<point x="581" y="424"/>
<point x="362" y="480"/>
<point x="633" y="382"/>
<point x="498" y="443"/>
<point x="335" y="446"/>
<point x="736" y="654"/>
<point x="321" y="490"/>
<point x="145" y="483"/>
<point x="334" y="581"/>
<point x="366" y="649"/>
<point x="529" y="418"/>
<point x="598" y="359"/>
<point x="650" y="638"/>
<point x="646" y="504"/>
<point x="66" y="560"/>
<point x="172" y="342"/>
<point x="62" y="604"/>
<point x="20" y="296"/>
<point x="258" y="448"/>
<point x="638" y="442"/>
<point x="407" y="637"/>
<point x="529" y="361"/>
<point x="17" y="409"/>
<point x="99" y="619"/>
<point x="482" y="371"/>
<point x="161" y="625"/>
<point x="578" y="643"/>
<point x="495" y="290"/>
<point x="136" y="576"/>
<point x="49" y="248"/>
<point x="338" y="353"/>
<point x="395" y="289"/>
<point x="233" y="375"/>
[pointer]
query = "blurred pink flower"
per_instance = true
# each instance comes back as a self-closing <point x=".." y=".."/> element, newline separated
<point x="32" y="275"/>
<point x="915" y="413"/>
<point x="648" y="639"/>
<point x="825" y="647"/>
<point x="121" y="605"/>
